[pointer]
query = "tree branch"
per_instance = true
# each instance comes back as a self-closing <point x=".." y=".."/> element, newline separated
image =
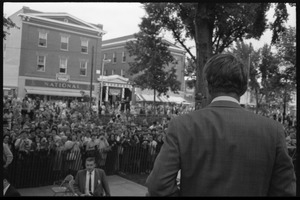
<point x="177" y="37"/>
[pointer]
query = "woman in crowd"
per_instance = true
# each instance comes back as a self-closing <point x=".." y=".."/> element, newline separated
<point x="7" y="154"/>
<point x="103" y="148"/>
<point x="111" y="155"/>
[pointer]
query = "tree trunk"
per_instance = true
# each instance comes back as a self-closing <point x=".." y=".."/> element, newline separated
<point x="203" y="39"/>
<point x="154" y="102"/>
<point x="284" y="106"/>
<point x="257" y="103"/>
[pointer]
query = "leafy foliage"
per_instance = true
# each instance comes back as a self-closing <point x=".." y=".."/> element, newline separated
<point x="214" y="26"/>
<point x="153" y="66"/>
<point x="7" y="24"/>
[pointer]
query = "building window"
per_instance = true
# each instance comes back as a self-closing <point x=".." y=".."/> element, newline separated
<point x="114" y="58"/>
<point x="64" y="43"/>
<point x="66" y="20"/>
<point x="84" y="46"/>
<point x="104" y="56"/>
<point x="122" y="72"/>
<point x="83" y="68"/>
<point x="123" y="57"/>
<point x="112" y="72"/>
<point x="63" y="65"/>
<point x="41" y="63"/>
<point x="42" y="39"/>
<point x="105" y="72"/>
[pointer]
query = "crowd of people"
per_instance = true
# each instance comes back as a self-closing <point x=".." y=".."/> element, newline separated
<point x="119" y="140"/>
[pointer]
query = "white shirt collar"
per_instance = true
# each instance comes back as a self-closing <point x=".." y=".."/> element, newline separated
<point x="5" y="189"/>
<point x="225" y="98"/>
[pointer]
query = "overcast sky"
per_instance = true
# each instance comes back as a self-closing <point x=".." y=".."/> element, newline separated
<point x="118" y="19"/>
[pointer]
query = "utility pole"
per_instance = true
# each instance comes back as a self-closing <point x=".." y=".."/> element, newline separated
<point x="102" y="77"/>
<point x="91" y="84"/>
<point x="247" y="97"/>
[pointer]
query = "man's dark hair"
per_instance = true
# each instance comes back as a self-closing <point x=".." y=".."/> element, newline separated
<point x="89" y="159"/>
<point x="225" y="73"/>
<point x="6" y="175"/>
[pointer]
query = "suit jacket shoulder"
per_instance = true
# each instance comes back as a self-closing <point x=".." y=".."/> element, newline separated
<point x="12" y="192"/>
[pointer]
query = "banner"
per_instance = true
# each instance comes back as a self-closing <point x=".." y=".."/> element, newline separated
<point x="114" y="91"/>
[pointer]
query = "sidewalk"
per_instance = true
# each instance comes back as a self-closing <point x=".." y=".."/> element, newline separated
<point x="118" y="187"/>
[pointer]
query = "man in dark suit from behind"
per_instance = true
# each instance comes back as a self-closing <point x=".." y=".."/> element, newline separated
<point x="223" y="149"/>
<point x="8" y="189"/>
<point x="91" y="181"/>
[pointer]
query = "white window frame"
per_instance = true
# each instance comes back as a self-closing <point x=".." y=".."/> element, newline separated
<point x="85" y="67"/>
<point x="114" y="57"/>
<point x="63" y="65"/>
<point x="123" y="57"/>
<point x="43" y="35"/>
<point x="62" y="41"/>
<point x="122" y="72"/>
<point x="112" y="72"/>
<point x="83" y="43"/>
<point x="40" y="63"/>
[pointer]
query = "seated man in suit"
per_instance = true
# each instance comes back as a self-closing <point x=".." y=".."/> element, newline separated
<point x="91" y="181"/>
<point x="8" y="189"/>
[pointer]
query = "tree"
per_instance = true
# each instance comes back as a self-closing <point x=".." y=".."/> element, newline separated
<point x="270" y="77"/>
<point x="214" y="27"/>
<point x="7" y="24"/>
<point x="286" y="48"/>
<point x="190" y="71"/>
<point x="151" y="60"/>
<point x="251" y="58"/>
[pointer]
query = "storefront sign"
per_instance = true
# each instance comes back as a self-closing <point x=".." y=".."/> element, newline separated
<point x="117" y="85"/>
<point x="53" y="84"/>
<point x="63" y="77"/>
<point x="114" y="91"/>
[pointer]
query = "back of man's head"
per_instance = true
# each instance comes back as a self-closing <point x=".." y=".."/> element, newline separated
<point x="225" y="73"/>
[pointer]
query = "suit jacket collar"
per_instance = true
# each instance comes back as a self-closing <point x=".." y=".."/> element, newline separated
<point x="96" y="178"/>
<point x="224" y="103"/>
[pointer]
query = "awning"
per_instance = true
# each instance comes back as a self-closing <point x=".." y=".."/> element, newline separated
<point x="164" y="99"/>
<point x="66" y="93"/>
<point x="178" y="100"/>
<point x="147" y="97"/>
<point x="139" y="97"/>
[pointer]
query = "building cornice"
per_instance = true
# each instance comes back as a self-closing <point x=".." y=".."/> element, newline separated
<point x="132" y="39"/>
<point x="64" y="15"/>
<point x="61" y="29"/>
<point x="27" y="17"/>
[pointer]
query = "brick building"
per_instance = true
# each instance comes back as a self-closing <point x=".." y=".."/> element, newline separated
<point x="50" y="55"/>
<point x="115" y="51"/>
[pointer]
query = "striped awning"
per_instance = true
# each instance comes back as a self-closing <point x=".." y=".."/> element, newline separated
<point x="147" y="97"/>
<point x="164" y="99"/>
<point x="178" y="100"/>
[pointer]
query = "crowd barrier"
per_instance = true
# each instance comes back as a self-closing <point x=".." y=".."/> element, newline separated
<point x="43" y="168"/>
<point x="38" y="169"/>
